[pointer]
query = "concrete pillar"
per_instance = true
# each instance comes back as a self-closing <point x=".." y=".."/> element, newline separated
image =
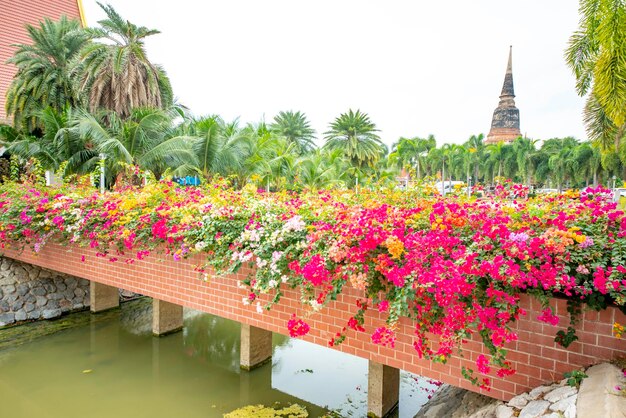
<point x="383" y="389"/>
<point x="256" y="347"/>
<point x="166" y="317"/>
<point x="102" y="297"/>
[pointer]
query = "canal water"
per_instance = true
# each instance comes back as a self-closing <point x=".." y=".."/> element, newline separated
<point x="109" y="365"/>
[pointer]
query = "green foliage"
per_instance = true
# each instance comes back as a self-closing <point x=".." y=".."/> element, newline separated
<point x="44" y="67"/>
<point x="355" y="134"/>
<point x="575" y="377"/>
<point x="296" y="129"/>
<point x="597" y="56"/>
<point x="116" y="74"/>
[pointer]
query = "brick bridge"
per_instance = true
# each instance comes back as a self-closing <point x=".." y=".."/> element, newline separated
<point x="174" y="284"/>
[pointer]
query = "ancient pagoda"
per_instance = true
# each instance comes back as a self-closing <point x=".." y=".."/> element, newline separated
<point x="505" y="122"/>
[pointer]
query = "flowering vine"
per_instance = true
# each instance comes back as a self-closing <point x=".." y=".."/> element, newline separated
<point x="455" y="266"/>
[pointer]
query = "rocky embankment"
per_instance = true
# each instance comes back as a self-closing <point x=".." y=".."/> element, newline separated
<point x="29" y="292"/>
<point x="597" y="397"/>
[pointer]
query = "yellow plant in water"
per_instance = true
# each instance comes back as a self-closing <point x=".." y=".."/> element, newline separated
<point x="261" y="411"/>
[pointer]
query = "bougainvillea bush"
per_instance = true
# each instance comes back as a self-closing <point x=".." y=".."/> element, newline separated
<point x="455" y="266"/>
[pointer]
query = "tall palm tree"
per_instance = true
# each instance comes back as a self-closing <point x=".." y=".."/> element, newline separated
<point x="355" y="134"/>
<point x="525" y="152"/>
<point x="476" y="148"/>
<point x="501" y="160"/>
<point x="43" y="77"/>
<point x="117" y="75"/>
<point x="409" y="152"/>
<point x="296" y="129"/>
<point x="589" y="161"/>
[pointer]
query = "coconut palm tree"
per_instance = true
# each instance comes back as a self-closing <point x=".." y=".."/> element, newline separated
<point x="43" y="77"/>
<point x="501" y="159"/>
<point x="589" y="160"/>
<point x="597" y="56"/>
<point x="525" y="152"/>
<point x="410" y="152"/>
<point x="476" y="148"/>
<point x="296" y="129"/>
<point x="355" y="134"/>
<point x="117" y="75"/>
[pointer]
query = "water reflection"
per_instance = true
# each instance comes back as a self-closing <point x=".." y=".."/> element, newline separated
<point x="112" y="366"/>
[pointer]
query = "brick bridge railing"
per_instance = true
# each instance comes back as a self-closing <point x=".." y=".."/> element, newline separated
<point x="535" y="356"/>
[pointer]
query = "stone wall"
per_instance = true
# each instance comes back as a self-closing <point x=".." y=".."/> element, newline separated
<point x="31" y="292"/>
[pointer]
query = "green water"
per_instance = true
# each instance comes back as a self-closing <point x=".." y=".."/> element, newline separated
<point x="109" y="365"/>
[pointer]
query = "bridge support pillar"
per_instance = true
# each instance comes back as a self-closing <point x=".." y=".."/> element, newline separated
<point x="102" y="297"/>
<point x="256" y="347"/>
<point x="166" y="317"/>
<point x="383" y="389"/>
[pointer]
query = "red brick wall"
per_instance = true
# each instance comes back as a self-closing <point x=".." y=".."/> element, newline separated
<point x="14" y="15"/>
<point x="535" y="356"/>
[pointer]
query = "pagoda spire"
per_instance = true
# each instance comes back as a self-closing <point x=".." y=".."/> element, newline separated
<point x="505" y="122"/>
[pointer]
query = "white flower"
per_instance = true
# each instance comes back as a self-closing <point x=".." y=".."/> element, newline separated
<point x="276" y="255"/>
<point x="284" y="278"/>
<point x="273" y="283"/>
<point x="240" y="285"/>
<point x="259" y="308"/>
<point x="201" y="245"/>
<point x="260" y="263"/>
<point x="245" y="301"/>
<point x="246" y="257"/>
<point x="294" y="224"/>
<point x="315" y="305"/>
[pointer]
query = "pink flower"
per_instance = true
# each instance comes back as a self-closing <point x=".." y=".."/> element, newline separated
<point x="482" y="363"/>
<point x="384" y="336"/>
<point x="548" y="317"/>
<point x="383" y="306"/>
<point x="297" y="327"/>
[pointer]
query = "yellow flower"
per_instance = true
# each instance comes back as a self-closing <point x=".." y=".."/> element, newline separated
<point x="394" y="246"/>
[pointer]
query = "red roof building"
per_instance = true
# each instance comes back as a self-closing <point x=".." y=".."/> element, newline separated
<point x="14" y="16"/>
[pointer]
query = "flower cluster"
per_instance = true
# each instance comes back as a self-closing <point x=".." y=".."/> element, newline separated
<point x="456" y="266"/>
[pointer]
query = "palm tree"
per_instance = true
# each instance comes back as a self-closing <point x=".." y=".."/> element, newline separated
<point x="53" y="148"/>
<point x="525" y="152"/>
<point x="43" y="77"/>
<point x="320" y="169"/>
<point x="597" y="56"/>
<point x="355" y="134"/>
<point x="139" y="141"/>
<point x="259" y="147"/>
<point x="500" y="157"/>
<point x="589" y="161"/>
<point x="476" y="148"/>
<point x="295" y="128"/>
<point x="411" y="151"/>
<point x="215" y="152"/>
<point x="118" y="75"/>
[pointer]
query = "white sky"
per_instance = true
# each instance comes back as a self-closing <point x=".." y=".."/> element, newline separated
<point x="416" y="67"/>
